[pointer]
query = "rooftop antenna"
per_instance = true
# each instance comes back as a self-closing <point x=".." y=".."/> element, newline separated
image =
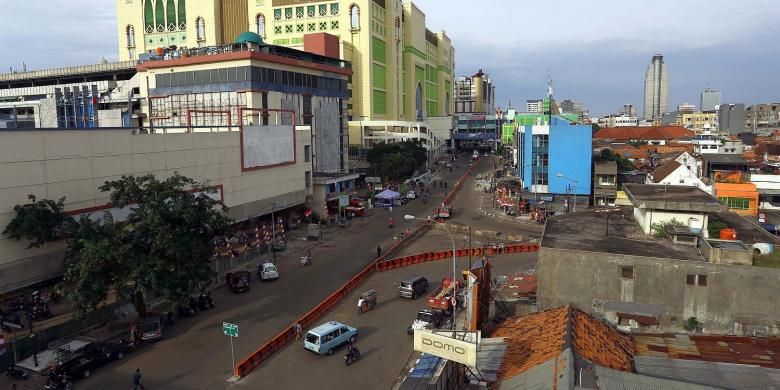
<point x="549" y="97"/>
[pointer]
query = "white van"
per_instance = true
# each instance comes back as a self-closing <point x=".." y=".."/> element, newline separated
<point x="475" y="155"/>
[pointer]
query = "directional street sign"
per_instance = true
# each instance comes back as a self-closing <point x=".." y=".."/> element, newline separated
<point x="230" y="329"/>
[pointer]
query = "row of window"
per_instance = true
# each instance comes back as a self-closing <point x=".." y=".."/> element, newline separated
<point x="736" y="203"/>
<point x="301" y="27"/>
<point x="249" y="73"/>
<point x="308" y="11"/>
<point x="627" y="272"/>
<point x="164" y="15"/>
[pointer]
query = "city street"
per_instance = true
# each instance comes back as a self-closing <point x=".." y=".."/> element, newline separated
<point x="196" y="355"/>
<point x="385" y="347"/>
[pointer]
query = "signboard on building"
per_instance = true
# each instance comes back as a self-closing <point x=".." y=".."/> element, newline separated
<point x="444" y="346"/>
<point x="343" y="200"/>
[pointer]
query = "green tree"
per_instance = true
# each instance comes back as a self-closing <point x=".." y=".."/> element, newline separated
<point x="623" y="164"/>
<point x="40" y="221"/>
<point x="595" y="127"/>
<point x="396" y="161"/>
<point x="162" y="249"/>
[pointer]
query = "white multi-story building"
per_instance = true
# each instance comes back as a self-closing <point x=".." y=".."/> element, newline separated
<point x="535" y="105"/>
<point x="706" y="142"/>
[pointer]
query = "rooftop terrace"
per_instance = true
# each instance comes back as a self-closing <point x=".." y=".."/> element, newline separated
<point x="663" y="197"/>
<point x="611" y="230"/>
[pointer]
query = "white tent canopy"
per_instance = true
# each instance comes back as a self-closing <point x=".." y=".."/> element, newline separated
<point x="388" y="194"/>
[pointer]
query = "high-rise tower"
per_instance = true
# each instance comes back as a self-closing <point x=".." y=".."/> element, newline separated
<point x="656" y="88"/>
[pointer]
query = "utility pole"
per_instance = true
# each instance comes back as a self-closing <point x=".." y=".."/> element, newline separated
<point x="273" y="233"/>
<point x="470" y="248"/>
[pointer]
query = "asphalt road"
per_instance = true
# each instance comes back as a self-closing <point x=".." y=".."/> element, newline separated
<point x="385" y="347"/>
<point x="196" y="355"/>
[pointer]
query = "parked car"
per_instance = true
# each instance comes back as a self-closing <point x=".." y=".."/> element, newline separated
<point x="325" y="338"/>
<point x="80" y="365"/>
<point x="426" y="319"/>
<point x="106" y="352"/>
<point x="412" y="287"/>
<point x="267" y="271"/>
<point x="239" y="281"/>
<point x="151" y="328"/>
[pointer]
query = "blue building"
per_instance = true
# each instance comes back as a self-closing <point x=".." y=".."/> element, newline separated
<point x="555" y="158"/>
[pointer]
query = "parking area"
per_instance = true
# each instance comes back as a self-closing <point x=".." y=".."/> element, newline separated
<point x="385" y="347"/>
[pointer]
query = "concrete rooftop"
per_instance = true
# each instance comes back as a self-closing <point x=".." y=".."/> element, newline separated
<point x="673" y="198"/>
<point x="587" y="231"/>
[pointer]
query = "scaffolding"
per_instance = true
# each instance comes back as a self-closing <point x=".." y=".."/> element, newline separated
<point x="208" y="111"/>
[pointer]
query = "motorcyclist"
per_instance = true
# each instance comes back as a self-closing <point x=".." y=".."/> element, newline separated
<point x="352" y="351"/>
<point x="391" y="222"/>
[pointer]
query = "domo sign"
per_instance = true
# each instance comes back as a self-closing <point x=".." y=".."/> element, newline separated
<point x="446" y="347"/>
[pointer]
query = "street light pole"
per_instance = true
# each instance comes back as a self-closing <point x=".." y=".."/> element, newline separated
<point x="454" y="268"/>
<point x="574" y="189"/>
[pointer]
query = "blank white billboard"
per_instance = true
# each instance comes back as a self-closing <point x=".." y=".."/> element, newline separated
<point x="264" y="146"/>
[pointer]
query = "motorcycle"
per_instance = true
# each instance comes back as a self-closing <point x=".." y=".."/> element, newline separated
<point x="391" y="223"/>
<point x="205" y="302"/>
<point x="16" y="373"/>
<point x="305" y="260"/>
<point x="41" y="311"/>
<point x="353" y="354"/>
<point x="186" y="310"/>
<point x="18" y="304"/>
<point x="58" y="381"/>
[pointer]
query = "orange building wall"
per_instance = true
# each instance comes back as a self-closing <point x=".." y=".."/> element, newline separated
<point x="734" y="191"/>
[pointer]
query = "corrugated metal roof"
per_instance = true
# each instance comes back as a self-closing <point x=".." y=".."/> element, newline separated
<point x="556" y="373"/>
<point x="489" y="357"/>
<point x="609" y="379"/>
<point x="724" y="375"/>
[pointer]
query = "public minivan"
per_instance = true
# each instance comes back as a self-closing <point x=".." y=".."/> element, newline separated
<point x="325" y="338"/>
<point x="412" y="287"/>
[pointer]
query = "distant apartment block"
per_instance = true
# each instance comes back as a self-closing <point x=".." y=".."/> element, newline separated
<point x="731" y="118"/>
<point x="710" y="100"/>
<point x="534" y="105"/>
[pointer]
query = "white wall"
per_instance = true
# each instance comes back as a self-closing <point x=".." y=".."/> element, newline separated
<point x="74" y="163"/>
<point x="647" y="217"/>
<point x="682" y="176"/>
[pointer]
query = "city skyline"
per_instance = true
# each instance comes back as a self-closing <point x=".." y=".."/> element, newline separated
<point x="611" y="57"/>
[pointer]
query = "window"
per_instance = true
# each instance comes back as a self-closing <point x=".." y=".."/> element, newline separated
<point x="311" y="26"/>
<point x="334" y="9"/>
<point x="299" y="12"/>
<point x="288" y="12"/>
<point x="260" y="20"/>
<point x="311" y="11"/>
<point x="200" y="27"/>
<point x="323" y="26"/>
<point x="696" y="280"/>
<point x="130" y="36"/>
<point x="278" y="14"/>
<point x="308" y="179"/>
<point x="307" y="153"/>
<point x="736" y="203"/>
<point x="148" y="16"/>
<point x="323" y="10"/>
<point x="182" y="16"/>
<point x="354" y="17"/>
<point x="265" y="106"/>
<point x="288" y="28"/>
<point x="159" y="16"/>
<point x="299" y="27"/>
<point x="307" y="111"/>
<point x="627" y="272"/>
<point x="170" y="15"/>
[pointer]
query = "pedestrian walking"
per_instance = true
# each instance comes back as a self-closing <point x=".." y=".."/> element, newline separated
<point x="360" y="305"/>
<point x="137" y="384"/>
<point x="391" y="209"/>
<point x="298" y="331"/>
<point x="378" y="251"/>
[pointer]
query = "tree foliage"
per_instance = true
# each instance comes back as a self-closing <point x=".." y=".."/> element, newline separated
<point x="623" y="164"/>
<point x="396" y="161"/>
<point x="162" y="249"/>
<point x="40" y="221"/>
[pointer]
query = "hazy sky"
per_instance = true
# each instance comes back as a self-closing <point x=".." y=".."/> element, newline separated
<point x="597" y="51"/>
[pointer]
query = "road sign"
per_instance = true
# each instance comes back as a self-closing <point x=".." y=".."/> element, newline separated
<point x="761" y="218"/>
<point x="230" y="329"/>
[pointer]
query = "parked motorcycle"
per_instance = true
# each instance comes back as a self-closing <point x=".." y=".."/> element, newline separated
<point x="185" y="310"/>
<point x="391" y="223"/>
<point x="205" y="302"/>
<point x="41" y="311"/>
<point x="18" y="304"/>
<point x="16" y="373"/>
<point x="353" y="354"/>
<point x="305" y="260"/>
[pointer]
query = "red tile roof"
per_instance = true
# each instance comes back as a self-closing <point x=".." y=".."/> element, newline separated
<point x="540" y="337"/>
<point x="763" y="352"/>
<point x="644" y="133"/>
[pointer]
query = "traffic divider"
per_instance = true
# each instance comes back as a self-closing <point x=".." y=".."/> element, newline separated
<point x="406" y="261"/>
<point x="246" y="365"/>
